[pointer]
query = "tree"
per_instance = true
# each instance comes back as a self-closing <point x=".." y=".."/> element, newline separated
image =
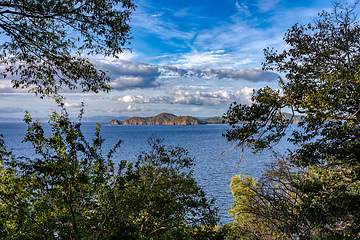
<point x="72" y="191"/>
<point x="272" y="207"/>
<point x="321" y="69"/>
<point x="167" y="202"/>
<point x="44" y="41"/>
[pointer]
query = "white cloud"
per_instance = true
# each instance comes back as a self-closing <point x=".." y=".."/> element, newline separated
<point x="253" y="74"/>
<point x="193" y="98"/>
<point x="6" y="86"/>
<point x="130" y="74"/>
<point x="129" y="108"/>
<point x="72" y="105"/>
<point x="199" y="98"/>
<point x="130" y="99"/>
<point x="244" y="95"/>
<point x="203" y="59"/>
<point x="242" y="8"/>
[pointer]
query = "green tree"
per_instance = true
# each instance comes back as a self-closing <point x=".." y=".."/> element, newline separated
<point x="272" y="207"/>
<point x="167" y="203"/>
<point x="43" y="41"/>
<point x="70" y="190"/>
<point x="321" y="81"/>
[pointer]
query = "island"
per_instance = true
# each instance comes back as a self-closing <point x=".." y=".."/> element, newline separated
<point x="167" y="119"/>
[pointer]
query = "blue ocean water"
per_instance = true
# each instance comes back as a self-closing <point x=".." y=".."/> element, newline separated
<point x="213" y="169"/>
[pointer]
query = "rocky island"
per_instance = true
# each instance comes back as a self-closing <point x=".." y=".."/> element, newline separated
<point x="161" y="119"/>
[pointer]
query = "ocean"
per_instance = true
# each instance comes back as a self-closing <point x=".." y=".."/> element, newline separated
<point x="213" y="168"/>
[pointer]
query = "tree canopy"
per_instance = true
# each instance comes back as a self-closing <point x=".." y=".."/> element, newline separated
<point x="321" y="82"/>
<point x="42" y="42"/>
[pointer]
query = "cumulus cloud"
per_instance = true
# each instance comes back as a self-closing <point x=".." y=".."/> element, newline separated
<point x="131" y="109"/>
<point x="72" y="105"/>
<point x="176" y="70"/>
<point x="253" y="74"/>
<point x="130" y="74"/>
<point x="193" y="98"/>
<point x="199" y="98"/>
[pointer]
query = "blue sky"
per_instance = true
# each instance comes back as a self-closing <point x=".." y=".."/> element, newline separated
<point x="188" y="58"/>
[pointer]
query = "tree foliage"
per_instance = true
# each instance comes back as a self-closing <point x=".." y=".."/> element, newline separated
<point x="70" y="190"/>
<point x="278" y="207"/>
<point x="43" y="41"/>
<point x="321" y="81"/>
<point x="266" y="208"/>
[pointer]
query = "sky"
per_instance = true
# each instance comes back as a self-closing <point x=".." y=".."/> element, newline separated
<point x="189" y="57"/>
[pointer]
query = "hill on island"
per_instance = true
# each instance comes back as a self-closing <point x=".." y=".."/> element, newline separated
<point x="161" y="119"/>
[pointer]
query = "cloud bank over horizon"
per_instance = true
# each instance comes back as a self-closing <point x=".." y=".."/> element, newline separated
<point x="189" y="98"/>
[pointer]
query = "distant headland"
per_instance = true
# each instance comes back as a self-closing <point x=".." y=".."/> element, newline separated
<point x="167" y="119"/>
